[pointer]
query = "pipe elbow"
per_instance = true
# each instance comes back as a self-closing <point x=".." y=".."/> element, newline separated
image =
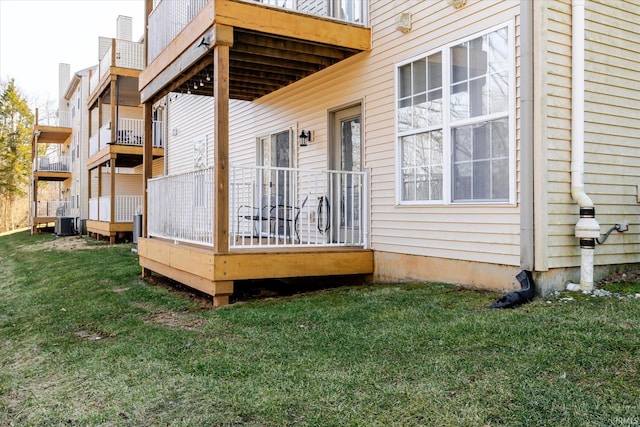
<point x="581" y="198"/>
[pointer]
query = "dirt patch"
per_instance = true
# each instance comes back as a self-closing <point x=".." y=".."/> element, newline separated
<point x="67" y="243"/>
<point x="179" y="320"/>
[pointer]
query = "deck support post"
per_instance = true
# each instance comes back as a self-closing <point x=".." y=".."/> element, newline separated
<point x="221" y="292"/>
<point x="223" y="38"/>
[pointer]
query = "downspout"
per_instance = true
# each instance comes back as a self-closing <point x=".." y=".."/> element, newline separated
<point x="526" y="137"/>
<point x="587" y="229"/>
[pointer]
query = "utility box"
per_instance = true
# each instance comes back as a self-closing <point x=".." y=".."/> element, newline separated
<point x="137" y="227"/>
<point x="64" y="226"/>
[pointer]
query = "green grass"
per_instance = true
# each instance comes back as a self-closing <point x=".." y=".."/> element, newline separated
<point x="85" y="342"/>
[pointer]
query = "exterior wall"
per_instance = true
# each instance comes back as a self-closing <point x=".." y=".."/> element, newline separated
<point x="190" y="118"/>
<point x="469" y="233"/>
<point x="612" y="165"/>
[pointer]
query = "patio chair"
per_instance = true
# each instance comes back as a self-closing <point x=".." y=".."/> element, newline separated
<point x="287" y="218"/>
<point x="257" y="215"/>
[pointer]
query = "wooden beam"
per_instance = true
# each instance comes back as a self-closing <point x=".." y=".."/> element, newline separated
<point x="147" y="163"/>
<point x="221" y="147"/>
<point x="292" y="46"/>
<point x="112" y="205"/>
<point x="296" y="25"/>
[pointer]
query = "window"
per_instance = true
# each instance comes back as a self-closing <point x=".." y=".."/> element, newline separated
<point x="453" y="121"/>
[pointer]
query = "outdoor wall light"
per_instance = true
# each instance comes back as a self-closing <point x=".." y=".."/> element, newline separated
<point x="457" y="3"/>
<point x="305" y="137"/>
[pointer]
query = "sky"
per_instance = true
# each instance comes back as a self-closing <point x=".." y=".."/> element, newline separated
<point x="37" y="35"/>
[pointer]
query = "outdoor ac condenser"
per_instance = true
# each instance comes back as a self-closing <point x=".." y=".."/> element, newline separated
<point x="64" y="226"/>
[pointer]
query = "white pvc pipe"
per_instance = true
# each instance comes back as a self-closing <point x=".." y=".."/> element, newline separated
<point x="577" y="106"/>
<point x="587" y="227"/>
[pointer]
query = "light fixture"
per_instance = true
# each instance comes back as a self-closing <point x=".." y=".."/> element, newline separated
<point x="208" y="77"/>
<point x="201" y="84"/>
<point x="305" y="137"/>
<point x="457" y="3"/>
<point x="403" y="22"/>
<point x="195" y="85"/>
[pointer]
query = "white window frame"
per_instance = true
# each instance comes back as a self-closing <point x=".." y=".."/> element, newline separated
<point x="447" y="190"/>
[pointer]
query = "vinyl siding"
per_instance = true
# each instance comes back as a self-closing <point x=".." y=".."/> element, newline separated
<point x="612" y="101"/>
<point x="190" y="118"/>
<point x="485" y="233"/>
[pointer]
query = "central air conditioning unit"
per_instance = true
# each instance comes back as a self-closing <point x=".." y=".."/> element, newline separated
<point x="64" y="226"/>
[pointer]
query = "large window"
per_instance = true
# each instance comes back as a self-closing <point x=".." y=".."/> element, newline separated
<point x="454" y="121"/>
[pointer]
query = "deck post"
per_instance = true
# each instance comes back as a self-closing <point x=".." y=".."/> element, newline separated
<point x="223" y="38"/>
<point x="147" y="168"/>
<point x="221" y="292"/>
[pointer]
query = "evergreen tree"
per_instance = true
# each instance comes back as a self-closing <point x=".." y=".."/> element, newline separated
<point x="16" y="122"/>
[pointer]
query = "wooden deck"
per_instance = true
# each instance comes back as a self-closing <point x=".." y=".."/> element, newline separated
<point x="214" y="274"/>
<point x="108" y="229"/>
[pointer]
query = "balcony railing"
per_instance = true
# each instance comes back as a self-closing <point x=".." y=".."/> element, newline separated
<point x="181" y="207"/>
<point x="129" y="132"/>
<point x="52" y="208"/>
<point x="158" y="134"/>
<point x="268" y="207"/>
<point x="52" y="163"/>
<point x="61" y="119"/>
<point x="126" y="207"/>
<point x="128" y="54"/>
<point x="169" y="17"/>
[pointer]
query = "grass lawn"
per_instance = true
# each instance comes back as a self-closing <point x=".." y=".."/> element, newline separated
<point x="84" y="341"/>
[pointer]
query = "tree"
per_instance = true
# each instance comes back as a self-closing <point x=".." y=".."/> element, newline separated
<point x="16" y="122"/>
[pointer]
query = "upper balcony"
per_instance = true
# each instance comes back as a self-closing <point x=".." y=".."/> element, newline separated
<point x="121" y="58"/>
<point x="52" y="130"/>
<point x="272" y="43"/>
<point x="125" y="142"/>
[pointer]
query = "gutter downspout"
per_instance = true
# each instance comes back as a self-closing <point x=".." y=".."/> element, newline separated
<point x="527" y="259"/>
<point x="587" y="229"/>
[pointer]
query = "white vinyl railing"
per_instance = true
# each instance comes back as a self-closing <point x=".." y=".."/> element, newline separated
<point x="93" y="209"/>
<point x="61" y="119"/>
<point x="52" y="163"/>
<point x="126" y="207"/>
<point x="169" y="17"/>
<point x="158" y="133"/>
<point x="104" y="208"/>
<point x="128" y="55"/>
<point x="268" y="207"/>
<point x="94" y="80"/>
<point x="181" y="207"/>
<point x="130" y="132"/>
<point x="52" y="208"/>
<point x="296" y="207"/>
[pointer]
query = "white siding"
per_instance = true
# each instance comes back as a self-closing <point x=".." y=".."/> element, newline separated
<point x="190" y="118"/>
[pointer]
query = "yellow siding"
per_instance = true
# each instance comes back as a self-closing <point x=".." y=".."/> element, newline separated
<point x="612" y="102"/>
<point x="474" y="233"/>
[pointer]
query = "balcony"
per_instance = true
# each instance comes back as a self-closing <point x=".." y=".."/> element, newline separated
<point x="126" y="206"/>
<point x="272" y="44"/>
<point x="315" y="225"/>
<point x="123" y="54"/>
<point x="297" y="208"/>
<point x="52" y="129"/>
<point x="129" y="137"/>
<point x="52" y="209"/>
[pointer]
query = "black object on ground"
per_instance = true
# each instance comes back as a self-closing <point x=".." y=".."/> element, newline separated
<point x="517" y="298"/>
